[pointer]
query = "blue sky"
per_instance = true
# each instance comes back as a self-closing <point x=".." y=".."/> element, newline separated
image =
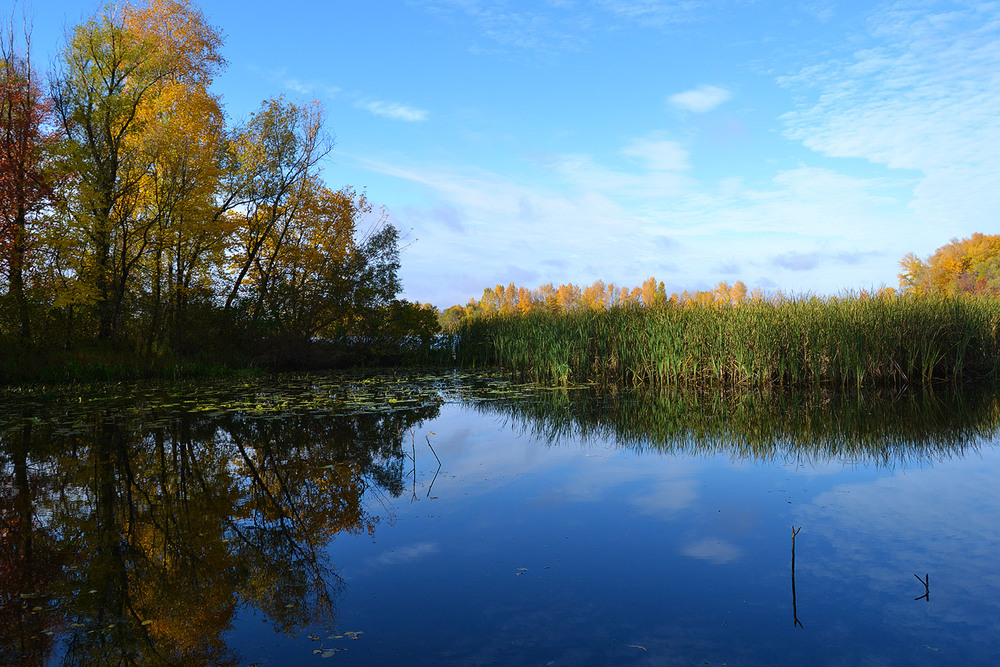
<point x="805" y="146"/>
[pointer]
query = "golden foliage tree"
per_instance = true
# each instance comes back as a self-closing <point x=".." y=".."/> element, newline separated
<point x="963" y="266"/>
<point x="116" y="84"/>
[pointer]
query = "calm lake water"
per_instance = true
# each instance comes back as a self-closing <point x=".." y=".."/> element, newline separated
<point x="461" y="520"/>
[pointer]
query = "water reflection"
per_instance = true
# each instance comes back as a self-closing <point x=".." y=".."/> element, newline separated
<point x="144" y="527"/>
<point x="887" y="430"/>
<point x="135" y="536"/>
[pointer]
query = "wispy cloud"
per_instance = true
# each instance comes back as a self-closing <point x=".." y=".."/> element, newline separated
<point x="808" y="261"/>
<point x="655" y="13"/>
<point x="393" y="111"/>
<point x="586" y="220"/>
<point x="658" y="154"/>
<point x="797" y="261"/>
<point x="588" y="175"/>
<point x="541" y="27"/>
<point x="701" y="99"/>
<point x="557" y="26"/>
<point x="821" y="10"/>
<point x="872" y="546"/>
<point x="923" y="96"/>
<point x="320" y="89"/>
<point x="306" y="88"/>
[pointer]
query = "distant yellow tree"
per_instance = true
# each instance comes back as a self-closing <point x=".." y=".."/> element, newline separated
<point x="548" y="298"/>
<point x="569" y="297"/>
<point x="594" y="296"/>
<point x="525" y="303"/>
<point x="723" y="293"/>
<point x="738" y="292"/>
<point x="963" y="266"/>
<point x="648" y="290"/>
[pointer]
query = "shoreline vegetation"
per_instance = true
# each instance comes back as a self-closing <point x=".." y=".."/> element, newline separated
<point x="845" y="343"/>
<point x="941" y="326"/>
<point x="842" y="343"/>
<point x="145" y="235"/>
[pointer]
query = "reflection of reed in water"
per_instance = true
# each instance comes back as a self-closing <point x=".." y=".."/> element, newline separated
<point x="864" y="428"/>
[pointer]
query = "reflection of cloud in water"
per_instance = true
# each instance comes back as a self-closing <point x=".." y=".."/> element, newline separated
<point x="942" y="521"/>
<point x="713" y="549"/>
<point x="404" y="554"/>
<point x="668" y="497"/>
<point x="662" y="488"/>
<point x="477" y="458"/>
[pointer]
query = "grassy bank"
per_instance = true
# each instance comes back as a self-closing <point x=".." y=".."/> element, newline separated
<point x="843" y="342"/>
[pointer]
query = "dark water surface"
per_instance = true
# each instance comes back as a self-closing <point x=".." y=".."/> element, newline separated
<point x="463" y="520"/>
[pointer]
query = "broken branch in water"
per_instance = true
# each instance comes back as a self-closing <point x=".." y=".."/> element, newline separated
<point x="927" y="587"/>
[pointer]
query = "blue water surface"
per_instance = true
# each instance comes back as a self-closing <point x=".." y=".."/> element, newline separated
<point x="520" y="550"/>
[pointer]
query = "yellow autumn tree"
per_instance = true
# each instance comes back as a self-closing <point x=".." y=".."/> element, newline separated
<point x="963" y="266"/>
<point x="184" y="135"/>
<point x="113" y="84"/>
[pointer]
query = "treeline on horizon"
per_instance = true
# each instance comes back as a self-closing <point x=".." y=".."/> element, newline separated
<point x="568" y="297"/>
<point x="138" y="223"/>
<point x="963" y="266"/>
<point x="942" y="325"/>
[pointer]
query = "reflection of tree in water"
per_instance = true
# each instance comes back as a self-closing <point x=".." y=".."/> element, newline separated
<point x="165" y="525"/>
<point x="29" y="558"/>
<point x="883" y="429"/>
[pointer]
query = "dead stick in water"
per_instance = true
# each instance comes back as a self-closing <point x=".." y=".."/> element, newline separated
<point x="795" y="608"/>
<point x="927" y="587"/>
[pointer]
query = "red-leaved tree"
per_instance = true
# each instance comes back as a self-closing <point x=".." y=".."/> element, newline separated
<point x="23" y="188"/>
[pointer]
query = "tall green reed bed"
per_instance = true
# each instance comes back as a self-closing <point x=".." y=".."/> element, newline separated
<point x="840" y="342"/>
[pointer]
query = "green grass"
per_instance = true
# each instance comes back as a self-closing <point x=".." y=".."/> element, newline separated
<point x="840" y="342"/>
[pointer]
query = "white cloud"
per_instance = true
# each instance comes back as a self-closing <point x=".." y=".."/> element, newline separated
<point x="807" y="229"/>
<point x="390" y="110"/>
<point x="658" y="154"/>
<point x="533" y="27"/>
<point x="660" y="178"/>
<point x="669" y="496"/>
<point x="701" y="99"/>
<point x="296" y="85"/>
<point x="512" y="227"/>
<point x="394" y="111"/>
<point x="924" y="97"/>
<point x="656" y="13"/>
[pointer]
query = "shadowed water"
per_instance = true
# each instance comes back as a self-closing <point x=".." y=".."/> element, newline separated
<point x="464" y="520"/>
